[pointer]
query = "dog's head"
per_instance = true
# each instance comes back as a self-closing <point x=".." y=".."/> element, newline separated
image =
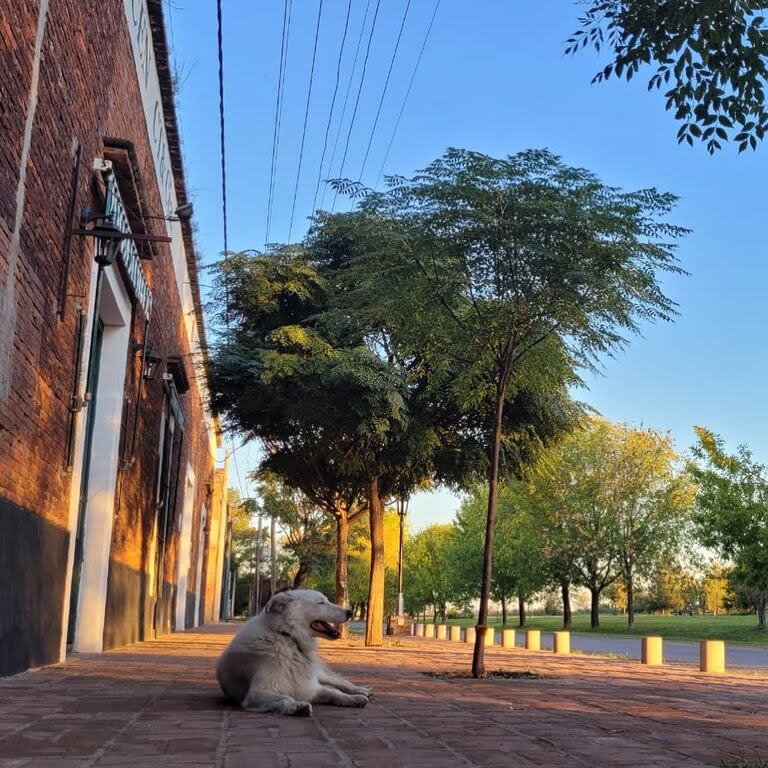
<point x="304" y="611"/>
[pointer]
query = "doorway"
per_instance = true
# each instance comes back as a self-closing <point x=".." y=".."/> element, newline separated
<point x="92" y="386"/>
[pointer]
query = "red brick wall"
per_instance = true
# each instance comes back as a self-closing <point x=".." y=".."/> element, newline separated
<point x="88" y="92"/>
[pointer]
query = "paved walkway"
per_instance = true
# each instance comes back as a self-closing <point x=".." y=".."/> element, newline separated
<point x="157" y="704"/>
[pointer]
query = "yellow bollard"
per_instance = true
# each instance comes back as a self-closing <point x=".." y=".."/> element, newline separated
<point x="469" y="635"/>
<point x="712" y="656"/>
<point x="429" y="630"/>
<point x="651" y="651"/>
<point x="455" y="634"/>
<point x="561" y="643"/>
<point x="490" y="636"/>
<point x="419" y="630"/>
<point x="508" y="638"/>
<point x="532" y="640"/>
<point x="442" y="631"/>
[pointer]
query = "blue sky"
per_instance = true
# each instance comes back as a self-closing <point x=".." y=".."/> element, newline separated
<point x="494" y="79"/>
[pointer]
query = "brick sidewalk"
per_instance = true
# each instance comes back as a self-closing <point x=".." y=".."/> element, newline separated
<point x="157" y="704"/>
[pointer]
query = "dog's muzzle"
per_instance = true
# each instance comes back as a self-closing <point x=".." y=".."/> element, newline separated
<point x="324" y="628"/>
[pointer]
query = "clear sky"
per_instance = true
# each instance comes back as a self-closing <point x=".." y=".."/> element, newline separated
<point x="493" y="78"/>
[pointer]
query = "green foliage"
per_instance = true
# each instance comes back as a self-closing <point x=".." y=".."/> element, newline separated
<point x="322" y="410"/>
<point x="732" y="513"/>
<point x="709" y="56"/>
<point x="519" y="567"/>
<point x="308" y="535"/>
<point x="429" y="570"/>
<point x="672" y="588"/>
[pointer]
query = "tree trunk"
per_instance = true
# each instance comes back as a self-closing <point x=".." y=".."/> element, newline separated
<point x="478" y="657"/>
<point x="374" y="634"/>
<point x="300" y="579"/>
<point x="594" y="617"/>
<point x="761" y="605"/>
<point x="503" y="611"/>
<point x="630" y="602"/>
<point x="521" y="611"/>
<point x="565" y="588"/>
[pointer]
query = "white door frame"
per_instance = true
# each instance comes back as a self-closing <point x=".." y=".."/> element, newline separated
<point x="185" y="549"/>
<point x="115" y="312"/>
<point x="200" y="557"/>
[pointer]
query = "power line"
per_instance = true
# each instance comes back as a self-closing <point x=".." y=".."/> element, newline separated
<point x="237" y="470"/>
<point x="222" y="151"/>
<point x="407" y="93"/>
<point x="384" y="92"/>
<point x="306" y="116"/>
<point x="278" y="111"/>
<point x="346" y="95"/>
<point x="357" y="100"/>
<point x="333" y="104"/>
<point x="221" y="125"/>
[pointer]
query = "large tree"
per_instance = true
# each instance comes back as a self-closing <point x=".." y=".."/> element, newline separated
<point x="477" y="263"/>
<point x="709" y="56"/>
<point x="731" y="513"/>
<point x="328" y="410"/>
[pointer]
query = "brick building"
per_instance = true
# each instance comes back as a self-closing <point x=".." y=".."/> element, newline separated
<point x="112" y="503"/>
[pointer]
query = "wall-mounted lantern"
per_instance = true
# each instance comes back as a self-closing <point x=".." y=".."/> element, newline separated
<point x="151" y="365"/>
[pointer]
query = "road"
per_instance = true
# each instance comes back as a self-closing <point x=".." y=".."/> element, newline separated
<point x="679" y="652"/>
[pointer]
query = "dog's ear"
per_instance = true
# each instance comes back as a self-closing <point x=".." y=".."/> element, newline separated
<point x="278" y="603"/>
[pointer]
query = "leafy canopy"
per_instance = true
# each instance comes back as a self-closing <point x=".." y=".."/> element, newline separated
<point x="731" y="512"/>
<point x="709" y="56"/>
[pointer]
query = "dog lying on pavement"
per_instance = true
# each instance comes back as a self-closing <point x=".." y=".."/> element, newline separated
<point x="271" y="665"/>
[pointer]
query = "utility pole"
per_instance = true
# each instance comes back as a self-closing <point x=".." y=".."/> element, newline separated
<point x="402" y="511"/>
<point x="257" y="573"/>
<point x="273" y="554"/>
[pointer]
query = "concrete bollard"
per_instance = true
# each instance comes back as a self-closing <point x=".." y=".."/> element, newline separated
<point x="490" y="636"/>
<point x="429" y="630"/>
<point x="442" y="631"/>
<point x="712" y="656"/>
<point x="532" y="640"/>
<point x="508" y="638"/>
<point x="419" y="630"/>
<point x="651" y="651"/>
<point x="469" y="635"/>
<point x="561" y="643"/>
<point x="455" y="634"/>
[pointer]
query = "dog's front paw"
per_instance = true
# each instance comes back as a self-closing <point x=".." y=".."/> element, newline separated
<point x="301" y="709"/>
<point x="358" y="701"/>
<point x="366" y="690"/>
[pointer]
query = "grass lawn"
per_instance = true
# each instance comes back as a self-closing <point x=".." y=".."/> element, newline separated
<point x="733" y="629"/>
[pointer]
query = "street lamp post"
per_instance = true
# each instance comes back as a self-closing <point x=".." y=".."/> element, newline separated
<point x="402" y="511"/>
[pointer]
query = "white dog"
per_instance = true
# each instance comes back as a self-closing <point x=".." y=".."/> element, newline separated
<point x="271" y="665"/>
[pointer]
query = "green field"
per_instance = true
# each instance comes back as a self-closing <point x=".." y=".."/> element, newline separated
<point x="733" y="629"/>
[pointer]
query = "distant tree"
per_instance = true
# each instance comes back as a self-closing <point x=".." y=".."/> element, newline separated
<point x="429" y="571"/>
<point x="480" y="264"/>
<point x="617" y="594"/>
<point x="652" y="499"/>
<point x="307" y="534"/>
<point x="714" y="588"/>
<point x="732" y="513"/>
<point x="519" y="569"/>
<point x="573" y="493"/>
<point x="672" y="588"/>
<point x="709" y="56"/>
